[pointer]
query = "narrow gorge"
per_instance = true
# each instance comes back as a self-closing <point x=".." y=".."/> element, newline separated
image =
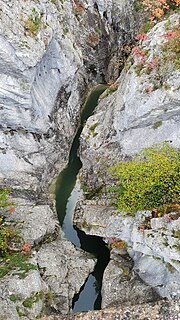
<point x="68" y="190"/>
<point x="60" y="131"/>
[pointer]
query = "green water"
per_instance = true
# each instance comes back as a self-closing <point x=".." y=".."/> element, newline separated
<point x="67" y="193"/>
<point x="67" y="178"/>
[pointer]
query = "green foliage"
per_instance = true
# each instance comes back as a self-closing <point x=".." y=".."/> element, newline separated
<point x="157" y="124"/>
<point x="46" y="296"/>
<point x="167" y="24"/>
<point x="170" y="267"/>
<point x="13" y="256"/>
<point x="149" y="180"/>
<point x="33" y="22"/>
<point x="13" y="298"/>
<point x="28" y="302"/>
<point x="6" y="233"/>
<point x="4" y="199"/>
<point x="177" y="234"/>
<point x="146" y="27"/>
<point x="18" y="263"/>
<point x="19" y="311"/>
<point x="92" y="129"/>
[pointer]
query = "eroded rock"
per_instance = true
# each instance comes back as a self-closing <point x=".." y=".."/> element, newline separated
<point x="51" y="53"/>
<point x="65" y="269"/>
<point x="125" y="121"/>
<point x="122" y="286"/>
<point x="163" y="310"/>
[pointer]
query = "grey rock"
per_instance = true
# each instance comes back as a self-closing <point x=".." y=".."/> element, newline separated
<point x="46" y="69"/>
<point x="163" y="310"/>
<point x="163" y="277"/>
<point x="122" y="286"/>
<point x="156" y="249"/>
<point x="21" y="289"/>
<point x="37" y="223"/>
<point x="65" y="269"/>
<point x="127" y="121"/>
<point x="44" y="75"/>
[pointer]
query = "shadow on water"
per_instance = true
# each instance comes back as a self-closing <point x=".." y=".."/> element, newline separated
<point x="92" y="287"/>
<point x="67" y="193"/>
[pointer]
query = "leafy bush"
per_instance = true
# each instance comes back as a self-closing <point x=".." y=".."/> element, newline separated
<point x="149" y="180"/>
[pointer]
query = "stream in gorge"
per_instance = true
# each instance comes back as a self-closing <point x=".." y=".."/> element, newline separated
<point x="67" y="193"/>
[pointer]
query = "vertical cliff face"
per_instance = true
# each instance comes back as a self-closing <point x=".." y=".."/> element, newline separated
<point x="51" y="52"/>
<point x="143" y="111"/>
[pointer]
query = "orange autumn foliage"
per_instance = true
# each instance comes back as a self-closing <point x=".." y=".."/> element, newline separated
<point x="157" y="8"/>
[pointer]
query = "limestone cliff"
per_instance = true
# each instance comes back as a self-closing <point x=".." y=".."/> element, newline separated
<point x="51" y="53"/>
<point x="144" y="110"/>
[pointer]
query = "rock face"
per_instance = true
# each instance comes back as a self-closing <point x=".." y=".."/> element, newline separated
<point x="57" y="270"/>
<point x="132" y="118"/>
<point x="140" y="113"/>
<point x="163" y="310"/>
<point x="21" y="290"/>
<point x="51" y="53"/>
<point x="64" y="269"/>
<point x="122" y="285"/>
<point x="155" y="251"/>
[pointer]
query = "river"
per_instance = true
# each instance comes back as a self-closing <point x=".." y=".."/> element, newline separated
<point x="67" y="193"/>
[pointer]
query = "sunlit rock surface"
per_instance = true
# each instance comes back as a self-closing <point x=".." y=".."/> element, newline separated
<point x="51" y="54"/>
<point x="125" y="121"/>
<point x="163" y="310"/>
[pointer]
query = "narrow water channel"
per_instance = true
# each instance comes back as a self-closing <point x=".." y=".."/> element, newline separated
<point x="67" y="193"/>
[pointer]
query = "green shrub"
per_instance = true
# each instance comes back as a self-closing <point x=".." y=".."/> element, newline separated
<point x="17" y="262"/>
<point x="14" y="254"/>
<point x="33" y="22"/>
<point x="5" y="231"/>
<point x="149" y="180"/>
<point x="4" y="202"/>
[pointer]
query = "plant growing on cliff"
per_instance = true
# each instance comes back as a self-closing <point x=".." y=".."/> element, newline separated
<point x="150" y="180"/>
<point x="33" y="22"/>
<point x="158" y="8"/>
<point x="158" y="67"/>
<point x="171" y="48"/>
<point x="13" y="253"/>
<point x="6" y="233"/>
